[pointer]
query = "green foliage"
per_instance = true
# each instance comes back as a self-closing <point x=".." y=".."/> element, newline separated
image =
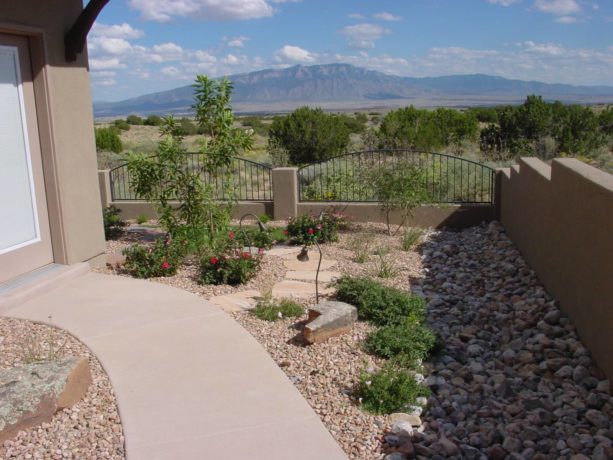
<point x="389" y="390"/>
<point x="122" y="125"/>
<point x="153" y="120"/>
<point x="410" y="238"/>
<point x="269" y="309"/>
<point x="113" y="223"/>
<point x="308" y="228"/>
<point x="422" y="129"/>
<point x="360" y="245"/>
<point x="134" y="120"/>
<point x="232" y="266"/>
<point x="161" y="259"/>
<point x="252" y="236"/>
<point x="355" y="124"/>
<point x="309" y="135"/>
<point x="187" y="127"/>
<point x="385" y="267"/>
<point x="379" y="304"/>
<point x="410" y="339"/>
<point x="200" y="218"/>
<point x="108" y="139"/>
<point x="399" y="187"/>
<point x="264" y="218"/>
<point x="141" y="219"/>
<point x="255" y="123"/>
<point x="485" y="114"/>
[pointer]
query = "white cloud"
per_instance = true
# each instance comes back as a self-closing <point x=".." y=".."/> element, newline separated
<point x="290" y="54"/>
<point x="106" y="64"/>
<point x="236" y="42"/>
<point x="124" y="30"/>
<point x="566" y="19"/>
<point x="558" y="7"/>
<point x="383" y="16"/>
<point x="230" y="59"/>
<point x="363" y="36"/>
<point x="115" y="46"/>
<point x="542" y="48"/>
<point x="356" y="16"/>
<point x="214" y="10"/>
<point x="170" y="71"/>
<point x="502" y="2"/>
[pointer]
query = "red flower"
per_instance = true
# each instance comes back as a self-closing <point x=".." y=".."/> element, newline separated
<point x="285" y="232"/>
<point x="311" y="231"/>
<point x="165" y="265"/>
<point x="231" y="235"/>
<point x="246" y="255"/>
<point x="214" y="260"/>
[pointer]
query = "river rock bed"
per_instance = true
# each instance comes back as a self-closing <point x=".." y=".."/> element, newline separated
<point x="514" y="380"/>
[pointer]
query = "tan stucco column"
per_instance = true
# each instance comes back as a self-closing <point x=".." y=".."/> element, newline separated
<point x="285" y="190"/>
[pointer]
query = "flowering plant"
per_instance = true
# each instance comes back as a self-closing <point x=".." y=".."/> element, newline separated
<point x="309" y="228"/>
<point x="160" y="259"/>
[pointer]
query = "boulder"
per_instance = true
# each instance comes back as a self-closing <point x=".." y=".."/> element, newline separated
<point x="328" y="319"/>
<point x="32" y="393"/>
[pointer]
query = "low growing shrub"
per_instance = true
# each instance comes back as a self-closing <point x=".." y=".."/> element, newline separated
<point x="113" y="223"/>
<point x="410" y="238"/>
<point x="360" y="245"/>
<point x="410" y="339"/>
<point x="141" y="219"/>
<point x="385" y="267"/>
<point x="308" y="228"/>
<point x="269" y="309"/>
<point x="233" y="267"/>
<point x="389" y="390"/>
<point x="379" y="304"/>
<point x="107" y="139"/>
<point x="160" y="259"/>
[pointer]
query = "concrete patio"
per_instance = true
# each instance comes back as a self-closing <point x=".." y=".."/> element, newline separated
<point x="189" y="381"/>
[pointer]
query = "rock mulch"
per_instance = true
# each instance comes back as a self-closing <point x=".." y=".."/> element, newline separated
<point x="91" y="429"/>
<point x="513" y="381"/>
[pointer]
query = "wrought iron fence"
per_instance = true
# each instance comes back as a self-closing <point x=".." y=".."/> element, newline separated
<point x="248" y="180"/>
<point x="348" y="177"/>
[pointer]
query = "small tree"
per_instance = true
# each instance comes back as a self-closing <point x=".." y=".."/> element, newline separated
<point x="201" y="217"/>
<point x="153" y="120"/>
<point x="134" y="120"/>
<point x="107" y="139"/>
<point x="399" y="186"/>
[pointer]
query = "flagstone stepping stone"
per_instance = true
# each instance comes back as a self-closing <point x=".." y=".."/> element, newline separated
<point x="297" y="289"/>
<point x="329" y="319"/>
<point x="292" y="255"/>
<point x="309" y="275"/>
<point x="282" y="251"/>
<point x="296" y="265"/>
<point x="239" y="301"/>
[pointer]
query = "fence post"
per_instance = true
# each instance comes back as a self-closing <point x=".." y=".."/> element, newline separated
<point x="285" y="192"/>
<point x="497" y="202"/>
<point x="104" y="182"/>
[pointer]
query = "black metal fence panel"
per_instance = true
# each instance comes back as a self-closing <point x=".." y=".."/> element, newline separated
<point x="348" y="177"/>
<point x="246" y="179"/>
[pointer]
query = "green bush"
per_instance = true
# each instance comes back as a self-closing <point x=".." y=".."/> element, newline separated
<point x="232" y="266"/>
<point x="121" y="125"/>
<point x="113" y="223"/>
<point x="252" y="236"/>
<point x="309" y="228"/>
<point x="389" y="390"/>
<point x="108" y="139"/>
<point x="161" y="259"/>
<point x="309" y="135"/>
<point x="385" y="267"/>
<point x="153" y="120"/>
<point x="360" y="245"/>
<point x="270" y="309"/>
<point x="410" y="238"/>
<point x="187" y="127"/>
<point x="134" y="120"/>
<point x="410" y="339"/>
<point x="379" y="304"/>
<point x="141" y="219"/>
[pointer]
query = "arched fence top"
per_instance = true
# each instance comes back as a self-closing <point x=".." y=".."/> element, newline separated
<point x="448" y="178"/>
<point x="251" y="181"/>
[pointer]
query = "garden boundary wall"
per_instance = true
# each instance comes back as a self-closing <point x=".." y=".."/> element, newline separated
<point x="286" y="204"/>
<point x="561" y="219"/>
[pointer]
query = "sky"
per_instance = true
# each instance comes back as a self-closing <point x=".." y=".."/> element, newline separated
<point x="142" y="46"/>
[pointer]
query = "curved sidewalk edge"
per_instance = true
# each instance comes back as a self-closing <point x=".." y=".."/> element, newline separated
<point x="190" y="382"/>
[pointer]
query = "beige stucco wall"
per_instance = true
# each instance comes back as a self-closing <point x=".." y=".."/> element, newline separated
<point x="64" y="109"/>
<point x="561" y="218"/>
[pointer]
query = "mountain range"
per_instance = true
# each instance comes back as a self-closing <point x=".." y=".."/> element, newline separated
<point x="347" y="87"/>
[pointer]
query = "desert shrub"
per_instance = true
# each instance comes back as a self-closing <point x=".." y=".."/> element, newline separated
<point x="108" y="139"/>
<point x="232" y="266"/>
<point x="309" y="135"/>
<point x="134" y="120"/>
<point x="410" y="238"/>
<point x="410" y="339"/>
<point x="269" y="309"/>
<point x="122" y="125"/>
<point x="384" y="266"/>
<point x="309" y="228"/>
<point x="153" y="120"/>
<point x="388" y="390"/>
<point x="255" y="123"/>
<point x="252" y="236"/>
<point x="113" y="223"/>
<point x="187" y="127"/>
<point x="141" y="219"/>
<point x="160" y="259"/>
<point x="377" y="303"/>
<point x="360" y="245"/>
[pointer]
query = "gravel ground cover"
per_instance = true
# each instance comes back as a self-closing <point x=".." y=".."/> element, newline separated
<point x="90" y="429"/>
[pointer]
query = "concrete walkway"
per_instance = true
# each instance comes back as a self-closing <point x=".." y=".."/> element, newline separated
<point x="190" y="382"/>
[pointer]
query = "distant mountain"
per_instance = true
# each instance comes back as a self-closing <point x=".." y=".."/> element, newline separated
<point x="344" y="86"/>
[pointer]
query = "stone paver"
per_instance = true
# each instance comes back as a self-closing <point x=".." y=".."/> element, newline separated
<point x="297" y="289"/>
<point x="190" y="381"/>
<point x="309" y="275"/>
<point x="243" y="300"/>
<point x="296" y="265"/>
<point x="281" y="251"/>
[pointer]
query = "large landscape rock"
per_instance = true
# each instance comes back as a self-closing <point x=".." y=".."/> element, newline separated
<point x="328" y="319"/>
<point x="31" y="394"/>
